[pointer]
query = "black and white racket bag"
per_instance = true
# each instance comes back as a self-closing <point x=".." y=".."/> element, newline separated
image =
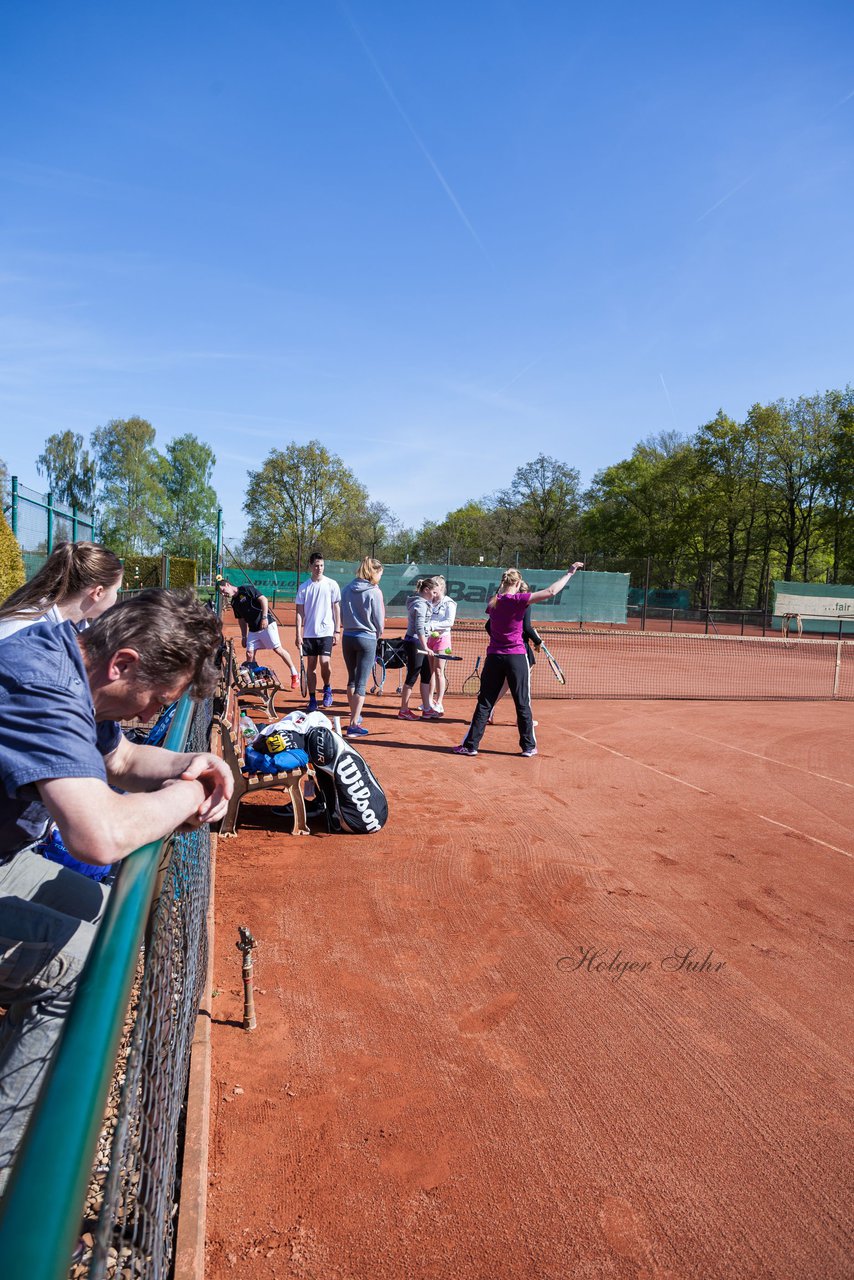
<point x="355" y="801"/>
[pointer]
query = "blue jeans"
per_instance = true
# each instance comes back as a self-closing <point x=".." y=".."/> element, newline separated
<point x="48" y="919"/>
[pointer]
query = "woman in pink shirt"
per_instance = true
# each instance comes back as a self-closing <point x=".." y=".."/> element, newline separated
<point x="506" y="659"/>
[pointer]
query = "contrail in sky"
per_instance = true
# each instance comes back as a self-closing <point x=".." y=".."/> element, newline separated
<point x="751" y="176"/>
<point x="723" y="199"/>
<point x="405" y="118"/>
<point x="521" y="373"/>
<point x="669" y="401"/>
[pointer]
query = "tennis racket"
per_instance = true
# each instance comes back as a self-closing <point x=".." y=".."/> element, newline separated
<point x="471" y="684"/>
<point x="379" y="676"/>
<point x="446" y="657"/>
<point x="554" y="664"/>
<point x="303" y="679"/>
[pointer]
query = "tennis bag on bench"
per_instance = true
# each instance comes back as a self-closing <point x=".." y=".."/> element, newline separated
<point x="355" y="801"/>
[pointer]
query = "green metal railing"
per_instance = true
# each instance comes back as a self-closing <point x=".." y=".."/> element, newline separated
<point x="41" y="1211"/>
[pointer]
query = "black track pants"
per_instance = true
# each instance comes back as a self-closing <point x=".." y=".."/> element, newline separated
<point x="498" y="667"/>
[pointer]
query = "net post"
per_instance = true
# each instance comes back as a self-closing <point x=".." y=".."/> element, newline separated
<point x="838" y="670"/>
<point x="645" y="594"/>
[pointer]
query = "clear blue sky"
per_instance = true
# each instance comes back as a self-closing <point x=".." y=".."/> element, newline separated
<point x="441" y="238"/>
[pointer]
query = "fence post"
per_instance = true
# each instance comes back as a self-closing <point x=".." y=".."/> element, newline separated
<point x="49" y="523"/>
<point x="219" y="540"/>
<point x="709" y="599"/>
<point x="74" y="524"/>
<point x="645" y="594"/>
<point x="15" y="505"/>
<point x="765" y="600"/>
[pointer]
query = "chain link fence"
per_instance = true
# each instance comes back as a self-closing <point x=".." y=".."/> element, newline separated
<point x="134" y="1190"/>
<point x="39" y="523"/>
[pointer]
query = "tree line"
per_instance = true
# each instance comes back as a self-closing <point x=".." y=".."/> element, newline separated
<point x="144" y="500"/>
<point x="735" y="503"/>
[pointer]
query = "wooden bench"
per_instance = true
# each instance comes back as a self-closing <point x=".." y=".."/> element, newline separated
<point x="231" y="747"/>
<point x="263" y="690"/>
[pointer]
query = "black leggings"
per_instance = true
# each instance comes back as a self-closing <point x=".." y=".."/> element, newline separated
<point x="498" y="667"/>
<point x="417" y="663"/>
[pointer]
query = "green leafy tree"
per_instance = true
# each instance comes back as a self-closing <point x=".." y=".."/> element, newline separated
<point x="640" y="508"/>
<point x="544" y="503"/>
<point x="70" y="470"/>
<point x="731" y="461"/>
<point x="795" y="437"/>
<point x="302" y="496"/>
<point x="367" y="530"/>
<point x="836" y="476"/>
<point x="465" y="534"/>
<point x="133" y="499"/>
<point x="189" y="522"/>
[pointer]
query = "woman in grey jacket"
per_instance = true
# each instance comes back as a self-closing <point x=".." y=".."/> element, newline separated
<point x="419" y="608"/>
<point x="362" y="623"/>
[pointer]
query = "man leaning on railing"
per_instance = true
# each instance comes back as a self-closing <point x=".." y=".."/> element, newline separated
<point x="61" y="751"/>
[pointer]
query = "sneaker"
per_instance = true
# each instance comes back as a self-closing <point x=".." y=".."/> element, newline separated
<point x="438" y="708"/>
<point x="463" y="750"/>
<point x="356" y="731"/>
<point x="427" y="713"/>
<point x="294" y="679"/>
<point x="312" y="704"/>
<point x="327" y="696"/>
<point x="406" y="715"/>
<point x="532" y="751"/>
<point x="490" y="720"/>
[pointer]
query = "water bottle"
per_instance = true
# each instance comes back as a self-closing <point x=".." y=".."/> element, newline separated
<point x="247" y="728"/>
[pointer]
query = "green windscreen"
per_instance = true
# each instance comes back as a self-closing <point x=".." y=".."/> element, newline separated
<point x="589" y="597"/>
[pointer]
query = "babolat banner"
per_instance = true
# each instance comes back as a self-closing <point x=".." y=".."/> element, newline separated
<point x="589" y="597"/>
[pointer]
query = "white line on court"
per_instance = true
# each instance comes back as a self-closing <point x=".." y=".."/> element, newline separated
<point x="771" y="759"/>
<point x="814" y="839"/>
<point x="673" y="778"/>
<point x="663" y="772"/>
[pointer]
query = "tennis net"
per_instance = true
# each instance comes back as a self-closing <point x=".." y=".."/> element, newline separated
<point x="643" y="664"/>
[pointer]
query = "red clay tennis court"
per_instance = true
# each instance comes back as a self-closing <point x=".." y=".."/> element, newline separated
<point x="583" y="1015"/>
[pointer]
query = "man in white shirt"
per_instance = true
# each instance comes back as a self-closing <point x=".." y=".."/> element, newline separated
<point x="318" y="603"/>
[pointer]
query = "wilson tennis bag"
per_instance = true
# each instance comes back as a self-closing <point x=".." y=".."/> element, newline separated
<point x="280" y="747"/>
<point x="355" y="801"/>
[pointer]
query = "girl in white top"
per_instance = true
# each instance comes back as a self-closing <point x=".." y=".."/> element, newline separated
<point x="77" y="583"/>
<point x="442" y="619"/>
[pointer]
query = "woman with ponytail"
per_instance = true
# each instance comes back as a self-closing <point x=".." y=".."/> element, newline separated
<point x="77" y="583"/>
<point x="506" y="659"/>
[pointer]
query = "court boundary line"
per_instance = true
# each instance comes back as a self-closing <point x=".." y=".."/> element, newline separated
<point x="662" y="772"/>
<point x="713" y="794"/>
<point x="814" y="839"/>
<point x="770" y="759"/>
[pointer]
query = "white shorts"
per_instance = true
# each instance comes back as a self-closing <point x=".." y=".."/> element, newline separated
<point x="266" y="639"/>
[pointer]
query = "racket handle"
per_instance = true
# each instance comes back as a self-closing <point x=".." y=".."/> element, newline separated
<point x="337" y="722"/>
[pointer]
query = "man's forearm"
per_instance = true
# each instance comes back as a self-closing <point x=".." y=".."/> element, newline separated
<point x="101" y="827"/>
<point x="136" y="767"/>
